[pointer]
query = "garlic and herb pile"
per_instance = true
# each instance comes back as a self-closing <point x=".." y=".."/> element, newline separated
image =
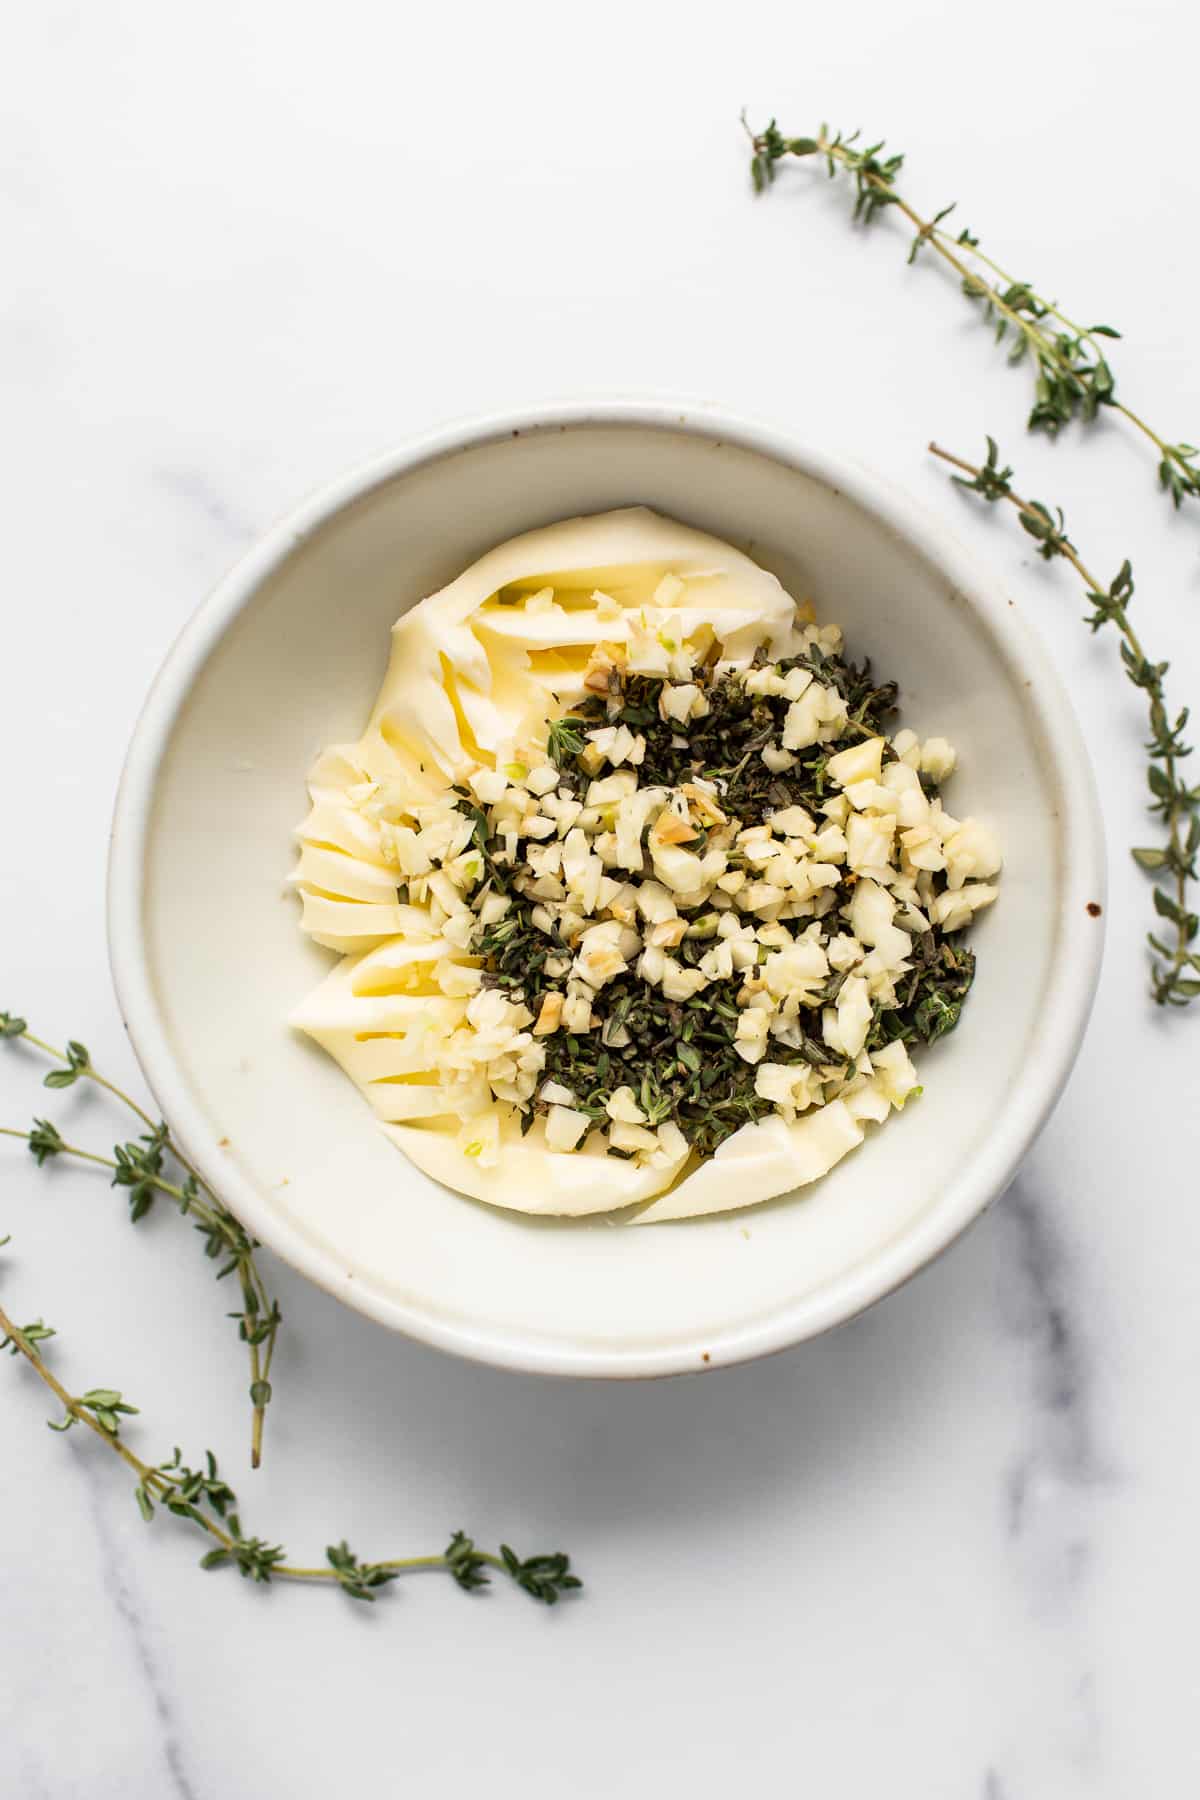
<point x="637" y="900"/>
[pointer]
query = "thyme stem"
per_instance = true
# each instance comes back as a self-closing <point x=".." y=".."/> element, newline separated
<point x="1072" y="373"/>
<point x="87" y="1072"/>
<point x="197" y="1497"/>
<point x="139" y="1167"/>
<point x="1173" y="972"/>
<point x="76" y="1408"/>
<point x="90" y="1074"/>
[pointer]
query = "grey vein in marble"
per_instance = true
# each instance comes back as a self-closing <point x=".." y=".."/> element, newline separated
<point x="1040" y="1309"/>
<point x="195" y="489"/>
<point x="121" y="1594"/>
<point x="33" y="1779"/>
<point x="1053" y="1479"/>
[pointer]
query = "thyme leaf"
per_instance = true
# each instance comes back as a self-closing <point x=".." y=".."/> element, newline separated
<point x="564" y="739"/>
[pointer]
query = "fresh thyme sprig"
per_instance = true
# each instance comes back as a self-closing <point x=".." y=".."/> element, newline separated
<point x="140" y="1167"/>
<point x="1072" y="375"/>
<point x="1176" y="965"/>
<point x="205" y="1500"/>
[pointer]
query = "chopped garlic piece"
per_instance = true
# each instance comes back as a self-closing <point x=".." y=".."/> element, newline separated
<point x="679" y="702"/>
<point x="751" y="1035"/>
<point x="894" y="1073"/>
<point x="631" y="1137"/>
<point x="679" y="983"/>
<point x="869" y="844"/>
<point x="861" y="762"/>
<point x="972" y="850"/>
<point x="792" y="821"/>
<point x="564" y="1127"/>
<point x="956" y="908"/>
<point x="555" y="1094"/>
<point x="938" y="759"/>
<point x="622" y="1106"/>
<point x="801" y="969"/>
<point x="550" y="1015"/>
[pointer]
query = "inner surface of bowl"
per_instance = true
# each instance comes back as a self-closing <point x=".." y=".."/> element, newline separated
<point x="287" y="657"/>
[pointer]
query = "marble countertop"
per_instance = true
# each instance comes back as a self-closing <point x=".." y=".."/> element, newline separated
<point x="943" y="1552"/>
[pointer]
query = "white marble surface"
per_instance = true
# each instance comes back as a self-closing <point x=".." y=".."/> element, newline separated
<point x="950" y="1551"/>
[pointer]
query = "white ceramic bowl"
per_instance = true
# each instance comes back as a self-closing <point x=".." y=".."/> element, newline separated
<point x="286" y="656"/>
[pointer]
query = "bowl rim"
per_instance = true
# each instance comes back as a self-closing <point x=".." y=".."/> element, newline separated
<point x="1072" y="979"/>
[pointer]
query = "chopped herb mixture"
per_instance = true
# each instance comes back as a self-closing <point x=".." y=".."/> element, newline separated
<point x="709" y="994"/>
